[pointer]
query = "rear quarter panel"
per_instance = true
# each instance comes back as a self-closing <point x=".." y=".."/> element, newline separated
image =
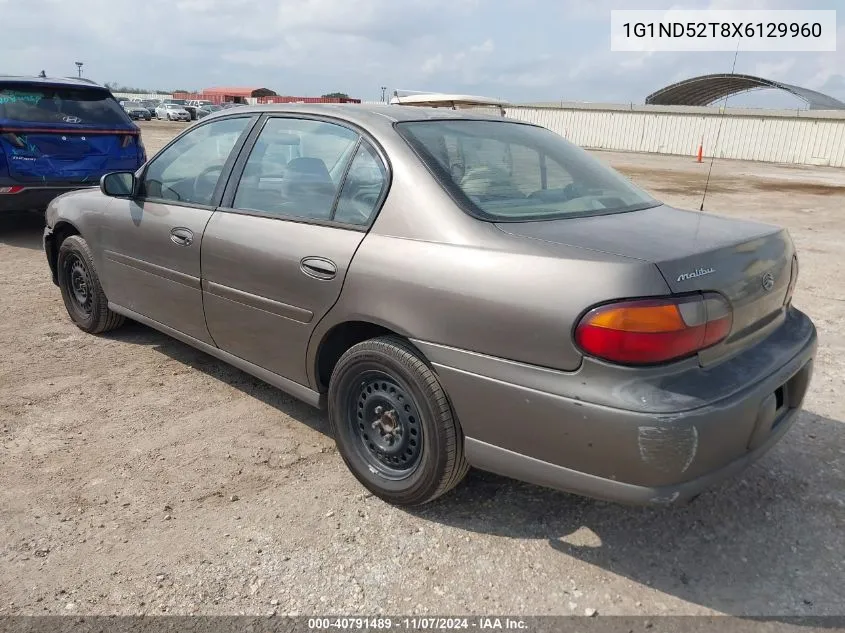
<point x="514" y="305"/>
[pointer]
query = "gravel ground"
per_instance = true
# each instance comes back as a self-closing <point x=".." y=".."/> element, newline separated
<point x="140" y="476"/>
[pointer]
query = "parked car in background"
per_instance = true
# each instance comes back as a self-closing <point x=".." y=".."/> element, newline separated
<point x="193" y="105"/>
<point x="204" y="111"/>
<point x="172" y="112"/>
<point x="57" y="135"/>
<point x="136" y="110"/>
<point x="458" y="290"/>
<point x="151" y="105"/>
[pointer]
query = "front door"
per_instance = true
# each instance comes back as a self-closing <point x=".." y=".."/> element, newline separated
<point x="276" y="253"/>
<point x="152" y="242"/>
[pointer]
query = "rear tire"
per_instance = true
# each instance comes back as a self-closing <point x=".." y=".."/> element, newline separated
<point x="393" y="424"/>
<point x="84" y="299"/>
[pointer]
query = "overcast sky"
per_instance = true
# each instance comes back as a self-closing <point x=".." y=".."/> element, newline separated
<point x="521" y="50"/>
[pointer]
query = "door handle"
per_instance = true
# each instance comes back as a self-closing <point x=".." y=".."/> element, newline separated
<point x="182" y="236"/>
<point x="318" y="267"/>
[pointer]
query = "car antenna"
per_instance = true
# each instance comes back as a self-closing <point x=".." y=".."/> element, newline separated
<point x="718" y="134"/>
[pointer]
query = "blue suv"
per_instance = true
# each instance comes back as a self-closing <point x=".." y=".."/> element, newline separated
<point x="58" y="135"/>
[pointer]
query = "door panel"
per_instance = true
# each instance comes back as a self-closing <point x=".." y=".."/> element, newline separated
<point x="274" y="264"/>
<point x="261" y="304"/>
<point x="148" y="272"/>
<point x="151" y="243"/>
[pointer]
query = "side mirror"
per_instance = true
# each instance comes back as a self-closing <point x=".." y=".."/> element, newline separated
<point x="119" y="184"/>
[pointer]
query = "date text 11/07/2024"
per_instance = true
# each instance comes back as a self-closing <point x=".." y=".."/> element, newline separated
<point x="416" y="623"/>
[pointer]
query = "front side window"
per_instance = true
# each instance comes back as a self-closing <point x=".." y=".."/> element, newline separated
<point x="188" y="170"/>
<point x="511" y="172"/>
<point x="295" y="168"/>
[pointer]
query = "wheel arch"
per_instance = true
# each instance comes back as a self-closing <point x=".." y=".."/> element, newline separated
<point x="332" y="342"/>
<point x="61" y="231"/>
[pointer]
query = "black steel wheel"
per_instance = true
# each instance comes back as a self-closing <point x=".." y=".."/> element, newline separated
<point x="385" y="418"/>
<point x="83" y="296"/>
<point x="393" y="423"/>
<point x="79" y="284"/>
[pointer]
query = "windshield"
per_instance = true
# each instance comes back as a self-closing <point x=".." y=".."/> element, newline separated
<point x="26" y="103"/>
<point x="512" y="172"/>
<point x="174" y="106"/>
<point x="178" y="101"/>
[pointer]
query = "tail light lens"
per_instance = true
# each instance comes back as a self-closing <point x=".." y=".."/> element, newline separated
<point x="125" y="140"/>
<point x="11" y="190"/>
<point x="14" y="139"/>
<point x="651" y="331"/>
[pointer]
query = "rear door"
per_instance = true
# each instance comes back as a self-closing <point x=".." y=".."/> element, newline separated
<point x="152" y="242"/>
<point x="276" y="253"/>
<point x="65" y="134"/>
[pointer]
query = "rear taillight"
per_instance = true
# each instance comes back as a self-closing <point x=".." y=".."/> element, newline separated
<point x="14" y="139"/>
<point x="142" y="151"/>
<point x="11" y="190"/>
<point x="793" y="280"/>
<point x="650" y="331"/>
<point x="125" y="140"/>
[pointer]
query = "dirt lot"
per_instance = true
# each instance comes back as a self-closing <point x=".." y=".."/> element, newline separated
<point x="141" y="476"/>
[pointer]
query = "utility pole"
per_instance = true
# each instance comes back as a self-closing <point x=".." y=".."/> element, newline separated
<point x="79" y="68"/>
<point x="383" y="88"/>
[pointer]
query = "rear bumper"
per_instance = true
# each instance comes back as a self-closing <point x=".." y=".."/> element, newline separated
<point x="34" y="198"/>
<point x="631" y="456"/>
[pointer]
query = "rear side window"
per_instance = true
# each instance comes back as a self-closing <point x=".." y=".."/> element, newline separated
<point x="362" y="188"/>
<point x="26" y="103"/>
<point x="295" y="168"/>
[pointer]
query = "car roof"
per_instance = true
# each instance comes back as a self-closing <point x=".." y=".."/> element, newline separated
<point x="70" y="82"/>
<point x="363" y="114"/>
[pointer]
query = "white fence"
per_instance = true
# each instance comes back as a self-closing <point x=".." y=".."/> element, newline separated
<point x="127" y="96"/>
<point x="804" y="137"/>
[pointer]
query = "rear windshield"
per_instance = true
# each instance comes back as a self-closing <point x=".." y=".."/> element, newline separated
<point x="26" y="103"/>
<point x="511" y="172"/>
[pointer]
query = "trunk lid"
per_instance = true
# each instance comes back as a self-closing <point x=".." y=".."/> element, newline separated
<point x="748" y="262"/>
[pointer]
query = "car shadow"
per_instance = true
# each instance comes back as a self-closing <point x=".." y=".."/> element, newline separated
<point x="138" y="334"/>
<point x="24" y="230"/>
<point x="729" y="550"/>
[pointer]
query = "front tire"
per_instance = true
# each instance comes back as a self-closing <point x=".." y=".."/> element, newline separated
<point x="393" y="424"/>
<point x="84" y="299"/>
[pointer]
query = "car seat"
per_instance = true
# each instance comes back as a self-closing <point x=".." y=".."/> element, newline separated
<point x="307" y="189"/>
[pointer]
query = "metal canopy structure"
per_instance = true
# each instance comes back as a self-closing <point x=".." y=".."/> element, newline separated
<point x="706" y="89"/>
